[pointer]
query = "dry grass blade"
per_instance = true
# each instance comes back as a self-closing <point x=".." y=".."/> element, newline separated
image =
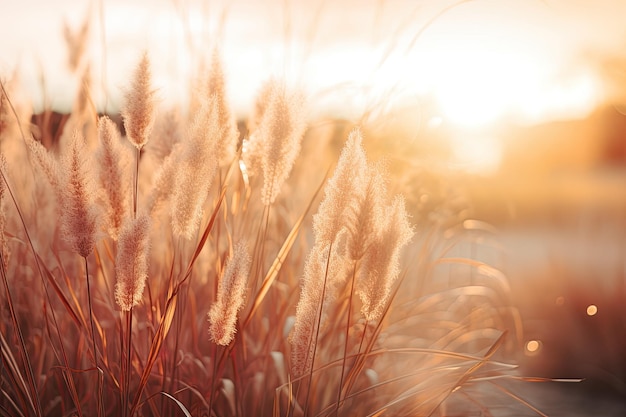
<point x="520" y="400"/>
<point x="32" y="391"/>
<point x="178" y="403"/>
<point x="5" y="411"/>
<point x="492" y="350"/>
<point x="21" y="388"/>
<point x="482" y="268"/>
<point x="78" y="321"/>
<point x="272" y="273"/>
<point x="468" y="373"/>
<point x="205" y="234"/>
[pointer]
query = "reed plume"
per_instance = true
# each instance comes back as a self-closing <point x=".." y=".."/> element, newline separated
<point x="324" y="271"/>
<point x="79" y="213"/>
<point x="167" y="133"/>
<point x="131" y="263"/>
<point x="380" y="265"/>
<point x="139" y="106"/>
<point x="260" y="104"/>
<point x="279" y="137"/>
<point x="342" y="190"/>
<point x="365" y="219"/>
<point x="228" y="134"/>
<point x="114" y="164"/>
<point x="138" y="113"/>
<point x="196" y="168"/>
<point x="231" y="293"/>
<point x="76" y="43"/>
<point x="325" y="268"/>
<point x="252" y="147"/>
<point x="46" y="164"/>
<point x="164" y="179"/>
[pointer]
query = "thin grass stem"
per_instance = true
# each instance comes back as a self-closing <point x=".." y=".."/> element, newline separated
<point x="93" y="342"/>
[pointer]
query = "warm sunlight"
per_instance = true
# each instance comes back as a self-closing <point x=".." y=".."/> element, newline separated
<point x="312" y="208"/>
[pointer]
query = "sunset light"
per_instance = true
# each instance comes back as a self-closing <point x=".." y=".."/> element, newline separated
<point x="298" y="208"/>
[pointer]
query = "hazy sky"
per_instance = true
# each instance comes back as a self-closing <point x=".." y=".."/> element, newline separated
<point x="479" y="61"/>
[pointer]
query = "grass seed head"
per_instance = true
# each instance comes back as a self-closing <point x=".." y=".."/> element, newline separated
<point x="139" y="105"/>
<point x="231" y="292"/>
<point x="132" y="261"/>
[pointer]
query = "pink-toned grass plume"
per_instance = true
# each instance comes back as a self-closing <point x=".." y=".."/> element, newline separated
<point x="342" y="190"/>
<point x="131" y="264"/>
<point x="195" y="171"/>
<point x="380" y="267"/>
<point x="114" y="163"/>
<point x="228" y="134"/>
<point x="323" y="273"/>
<point x="139" y="105"/>
<point x="280" y="135"/>
<point x="231" y="292"/>
<point x="79" y="212"/>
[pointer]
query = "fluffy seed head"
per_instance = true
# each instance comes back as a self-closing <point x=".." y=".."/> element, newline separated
<point x="366" y="217"/>
<point x="342" y="190"/>
<point x="79" y="215"/>
<point x="131" y="264"/>
<point x="280" y="135"/>
<point x="380" y="267"/>
<point x="76" y="43"/>
<point x="231" y="293"/>
<point x="46" y="163"/>
<point x="227" y="139"/>
<point x="195" y="171"/>
<point x="323" y="273"/>
<point x="113" y="173"/>
<point x="139" y="106"/>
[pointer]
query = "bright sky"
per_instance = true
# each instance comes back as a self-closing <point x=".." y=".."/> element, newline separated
<point x="479" y="61"/>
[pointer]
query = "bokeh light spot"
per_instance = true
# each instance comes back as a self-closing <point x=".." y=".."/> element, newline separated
<point x="592" y="310"/>
<point x="533" y="347"/>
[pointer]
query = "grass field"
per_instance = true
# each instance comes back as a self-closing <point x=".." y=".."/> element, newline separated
<point x="182" y="259"/>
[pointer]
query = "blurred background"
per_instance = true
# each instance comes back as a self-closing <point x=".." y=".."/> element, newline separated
<point x="517" y="106"/>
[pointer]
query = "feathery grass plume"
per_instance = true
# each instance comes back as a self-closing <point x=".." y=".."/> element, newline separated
<point x="380" y="266"/>
<point x="366" y="217"/>
<point x="139" y="107"/>
<point x="76" y="43"/>
<point x="320" y="269"/>
<point x="195" y="171"/>
<point x="227" y="139"/>
<point x="4" y="247"/>
<point x="84" y="106"/>
<point x="167" y="133"/>
<point x="340" y="193"/>
<point x="280" y="135"/>
<point x="252" y="148"/>
<point x="114" y="163"/>
<point x="79" y="214"/>
<point x="131" y="263"/>
<point x="46" y="163"/>
<point x="164" y="179"/>
<point x="260" y="105"/>
<point x="231" y="292"/>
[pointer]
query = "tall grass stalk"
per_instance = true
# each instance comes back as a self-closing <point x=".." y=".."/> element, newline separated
<point x="93" y="342"/>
